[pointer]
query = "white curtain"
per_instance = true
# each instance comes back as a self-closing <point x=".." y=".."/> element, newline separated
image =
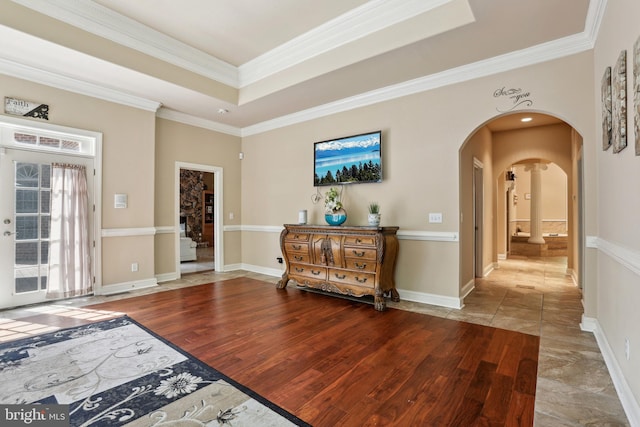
<point x="69" y="246"/>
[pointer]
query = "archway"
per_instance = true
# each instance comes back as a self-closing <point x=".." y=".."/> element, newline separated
<point x="498" y="144"/>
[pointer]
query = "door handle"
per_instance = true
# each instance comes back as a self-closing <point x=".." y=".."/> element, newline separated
<point x="8" y="233"/>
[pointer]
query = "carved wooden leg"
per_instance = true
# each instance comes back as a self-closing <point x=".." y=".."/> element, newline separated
<point x="378" y="300"/>
<point x="283" y="282"/>
<point x="395" y="296"/>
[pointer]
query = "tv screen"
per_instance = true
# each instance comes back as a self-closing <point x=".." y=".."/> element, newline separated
<point x="349" y="160"/>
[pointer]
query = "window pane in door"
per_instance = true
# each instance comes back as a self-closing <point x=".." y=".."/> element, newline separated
<point x="26" y="201"/>
<point x="27" y="254"/>
<point x="45" y="201"/>
<point x="26" y="227"/>
<point x="27" y="175"/>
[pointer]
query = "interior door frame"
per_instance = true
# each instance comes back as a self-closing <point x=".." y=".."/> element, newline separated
<point x="478" y="217"/>
<point x="218" y="222"/>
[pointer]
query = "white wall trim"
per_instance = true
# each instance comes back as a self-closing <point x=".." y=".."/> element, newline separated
<point x="502" y="257"/>
<point x="127" y="286"/>
<point x="627" y="257"/>
<point x="166" y="229"/>
<point x="355" y="24"/>
<point x="432" y="299"/>
<point x="167" y="277"/>
<point x="70" y="84"/>
<point x="190" y="120"/>
<point x="591" y="242"/>
<point x="104" y="22"/>
<point x="268" y="271"/>
<point x="436" y="236"/>
<point x="629" y="403"/>
<point x="467" y="289"/>
<point x="128" y="232"/>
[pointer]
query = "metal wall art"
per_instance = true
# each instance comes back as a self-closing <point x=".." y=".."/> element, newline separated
<point x="606" y="108"/>
<point x="636" y="93"/>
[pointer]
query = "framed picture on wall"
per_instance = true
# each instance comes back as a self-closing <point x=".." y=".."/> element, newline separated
<point x="619" y="103"/>
<point x="636" y="93"/>
<point x="606" y="109"/>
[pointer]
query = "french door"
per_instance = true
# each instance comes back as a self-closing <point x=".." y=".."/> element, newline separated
<point x="25" y="217"/>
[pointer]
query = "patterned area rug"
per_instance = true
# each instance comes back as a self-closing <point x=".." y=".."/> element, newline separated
<point x="117" y="372"/>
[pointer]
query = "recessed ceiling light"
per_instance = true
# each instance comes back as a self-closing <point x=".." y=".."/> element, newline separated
<point x="222" y="111"/>
<point x="526" y="119"/>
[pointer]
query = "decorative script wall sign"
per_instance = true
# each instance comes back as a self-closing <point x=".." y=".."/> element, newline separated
<point x="512" y="98"/>
<point x="20" y="107"/>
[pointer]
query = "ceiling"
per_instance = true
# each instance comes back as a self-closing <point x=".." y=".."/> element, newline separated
<point x="244" y="66"/>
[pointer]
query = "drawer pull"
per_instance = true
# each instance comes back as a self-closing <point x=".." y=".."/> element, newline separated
<point x="299" y="270"/>
<point x="358" y="254"/>
<point x="316" y="273"/>
<point x="361" y="280"/>
<point x="358" y="240"/>
<point x="344" y="276"/>
<point x="297" y="247"/>
<point x="297" y="237"/>
<point x="361" y="266"/>
<point x="297" y="257"/>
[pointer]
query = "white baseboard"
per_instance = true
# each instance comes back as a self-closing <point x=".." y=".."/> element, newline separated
<point x="166" y="277"/>
<point x="433" y="299"/>
<point x="502" y="257"/>
<point x="629" y="403"/>
<point x="126" y="286"/>
<point x="487" y="270"/>
<point x="261" y="270"/>
<point x="467" y="289"/>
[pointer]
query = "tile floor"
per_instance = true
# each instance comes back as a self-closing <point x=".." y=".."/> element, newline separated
<point x="530" y="295"/>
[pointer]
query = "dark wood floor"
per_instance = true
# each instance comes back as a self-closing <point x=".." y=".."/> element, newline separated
<point x="334" y="362"/>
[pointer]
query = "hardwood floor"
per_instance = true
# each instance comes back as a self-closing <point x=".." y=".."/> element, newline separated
<point x="335" y="362"/>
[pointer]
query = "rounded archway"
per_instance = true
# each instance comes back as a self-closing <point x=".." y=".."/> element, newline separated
<point x="486" y="156"/>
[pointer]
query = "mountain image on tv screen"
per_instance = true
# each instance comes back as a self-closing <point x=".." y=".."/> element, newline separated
<point x="352" y="159"/>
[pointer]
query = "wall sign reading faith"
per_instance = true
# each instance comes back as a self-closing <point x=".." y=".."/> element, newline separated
<point x="514" y="98"/>
<point x="20" y="107"/>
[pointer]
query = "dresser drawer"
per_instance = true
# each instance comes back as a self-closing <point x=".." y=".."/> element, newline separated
<point x="298" y="237"/>
<point x="302" y="257"/>
<point x="363" y="279"/>
<point x="310" y="271"/>
<point x="360" y="264"/>
<point x="291" y="247"/>
<point x="360" y="240"/>
<point x="360" y="253"/>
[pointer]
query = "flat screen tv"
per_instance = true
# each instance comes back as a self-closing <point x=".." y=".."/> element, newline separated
<point x="349" y="160"/>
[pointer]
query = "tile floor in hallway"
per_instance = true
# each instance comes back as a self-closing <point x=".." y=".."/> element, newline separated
<point x="533" y="296"/>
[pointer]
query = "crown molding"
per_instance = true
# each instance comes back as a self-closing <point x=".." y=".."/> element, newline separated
<point x="188" y="119"/>
<point x="358" y="23"/>
<point x="104" y="22"/>
<point x="60" y="81"/>
<point x="537" y="54"/>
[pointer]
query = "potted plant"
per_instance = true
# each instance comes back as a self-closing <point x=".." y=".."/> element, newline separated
<point x="334" y="212"/>
<point x="374" y="214"/>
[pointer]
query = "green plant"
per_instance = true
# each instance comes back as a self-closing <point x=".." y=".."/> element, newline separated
<point x="374" y="208"/>
<point x="332" y="201"/>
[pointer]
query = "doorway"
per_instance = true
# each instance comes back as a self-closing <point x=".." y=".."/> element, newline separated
<point x="27" y="153"/>
<point x="198" y="212"/>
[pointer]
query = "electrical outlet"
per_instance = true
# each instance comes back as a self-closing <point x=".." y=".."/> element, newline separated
<point x="280" y="260"/>
<point x="134" y="267"/>
<point x="435" y="218"/>
<point x="627" y="348"/>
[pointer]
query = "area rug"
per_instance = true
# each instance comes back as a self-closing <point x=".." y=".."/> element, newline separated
<point x="119" y="373"/>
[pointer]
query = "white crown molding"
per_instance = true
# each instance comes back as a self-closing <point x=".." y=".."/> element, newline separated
<point x="188" y="119"/>
<point x="99" y="20"/>
<point x="60" y="81"/>
<point x="358" y="23"/>
<point x="507" y="62"/>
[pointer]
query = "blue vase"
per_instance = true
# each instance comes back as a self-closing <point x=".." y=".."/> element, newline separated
<point x="336" y="218"/>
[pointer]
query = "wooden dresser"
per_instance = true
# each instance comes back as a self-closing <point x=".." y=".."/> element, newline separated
<point x="353" y="261"/>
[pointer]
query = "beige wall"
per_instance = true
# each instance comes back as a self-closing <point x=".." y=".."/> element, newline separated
<point x="617" y="288"/>
<point x="128" y="148"/>
<point x="177" y="142"/>
<point x="422" y="136"/>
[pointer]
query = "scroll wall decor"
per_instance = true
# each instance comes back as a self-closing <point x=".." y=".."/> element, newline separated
<point x="619" y="103"/>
